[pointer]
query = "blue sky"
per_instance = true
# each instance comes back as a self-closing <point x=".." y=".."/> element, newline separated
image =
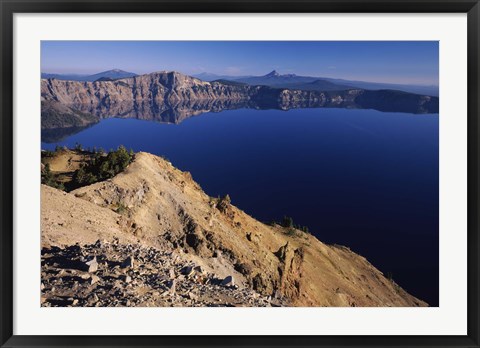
<point x="406" y="62"/>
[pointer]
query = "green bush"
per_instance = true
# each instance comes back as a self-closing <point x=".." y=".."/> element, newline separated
<point x="224" y="203"/>
<point x="102" y="166"/>
<point x="287" y="221"/>
<point x="47" y="154"/>
<point x="121" y="209"/>
<point x="305" y="229"/>
<point x="49" y="179"/>
<point x="290" y="232"/>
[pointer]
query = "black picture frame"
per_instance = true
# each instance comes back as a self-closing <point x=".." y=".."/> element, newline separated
<point x="9" y="8"/>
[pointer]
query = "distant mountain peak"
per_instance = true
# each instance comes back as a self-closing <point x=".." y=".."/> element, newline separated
<point x="273" y="73"/>
<point x="113" y="74"/>
<point x="116" y="71"/>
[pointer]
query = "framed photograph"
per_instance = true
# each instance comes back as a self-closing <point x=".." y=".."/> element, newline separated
<point x="215" y="173"/>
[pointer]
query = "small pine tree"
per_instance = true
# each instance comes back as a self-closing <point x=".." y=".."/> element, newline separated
<point x="287" y="221"/>
<point x="227" y="199"/>
<point x="305" y="229"/>
<point x="79" y="176"/>
<point x="49" y="179"/>
<point x="47" y="176"/>
<point x="224" y="203"/>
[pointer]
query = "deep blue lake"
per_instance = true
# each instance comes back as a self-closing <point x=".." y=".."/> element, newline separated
<point x="361" y="178"/>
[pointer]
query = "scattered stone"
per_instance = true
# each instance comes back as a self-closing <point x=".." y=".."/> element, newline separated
<point x="126" y="278"/>
<point x="92" y="265"/>
<point x="94" y="279"/>
<point x="160" y="278"/>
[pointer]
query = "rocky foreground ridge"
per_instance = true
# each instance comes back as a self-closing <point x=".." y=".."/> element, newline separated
<point x="102" y="275"/>
<point x="151" y="237"/>
<point x="76" y="103"/>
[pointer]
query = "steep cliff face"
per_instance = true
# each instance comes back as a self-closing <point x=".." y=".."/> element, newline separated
<point x="156" y="93"/>
<point x="166" y="209"/>
<point x="154" y="90"/>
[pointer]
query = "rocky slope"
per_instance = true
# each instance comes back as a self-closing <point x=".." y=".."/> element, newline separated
<point x="110" y="274"/>
<point x="155" y="93"/>
<point x="154" y="209"/>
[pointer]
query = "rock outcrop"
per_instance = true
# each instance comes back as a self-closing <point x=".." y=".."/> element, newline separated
<point x="151" y="95"/>
<point x="165" y="212"/>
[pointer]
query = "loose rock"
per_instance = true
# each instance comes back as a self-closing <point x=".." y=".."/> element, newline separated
<point x="94" y="279"/>
<point x="92" y="265"/>
<point x="153" y="283"/>
<point x="126" y="278"/>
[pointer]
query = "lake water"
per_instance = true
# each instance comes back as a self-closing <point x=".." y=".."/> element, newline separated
<point x="361" y="178"/>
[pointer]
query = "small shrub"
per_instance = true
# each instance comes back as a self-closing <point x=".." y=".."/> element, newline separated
<point x="46" y="154"/>
<point x="224" y="203"/>
<point x="49" y="179"/>
<point x="305" y="229"/>
<point x="290" y="232"/>
<point x="287" y="221"/>
<point x="390" y="276"/>
<point x="121" y="209"/>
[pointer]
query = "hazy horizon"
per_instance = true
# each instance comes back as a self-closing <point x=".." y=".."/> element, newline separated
<point x="395" y="62"/>
<point x="232" y="76"/>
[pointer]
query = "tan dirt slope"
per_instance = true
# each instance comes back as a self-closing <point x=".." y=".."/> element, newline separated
<point x="162" y="206"/>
